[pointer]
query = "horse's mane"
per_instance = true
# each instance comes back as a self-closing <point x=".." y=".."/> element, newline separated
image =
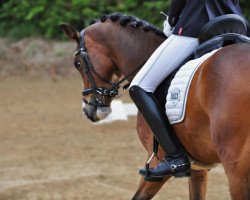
<point x="126" y="20"/>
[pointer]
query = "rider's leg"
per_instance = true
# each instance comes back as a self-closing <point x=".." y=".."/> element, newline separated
<point x="163" y="61"/>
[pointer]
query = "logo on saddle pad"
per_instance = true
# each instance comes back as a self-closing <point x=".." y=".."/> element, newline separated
<point x="175" y="95"/>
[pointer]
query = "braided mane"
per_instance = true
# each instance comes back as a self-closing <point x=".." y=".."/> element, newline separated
<point x="126" y="20"/>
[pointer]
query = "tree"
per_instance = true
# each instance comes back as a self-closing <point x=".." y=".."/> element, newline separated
<point x="41" y="17"/>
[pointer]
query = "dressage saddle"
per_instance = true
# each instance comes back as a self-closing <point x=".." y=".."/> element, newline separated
<point x="222" y="31"/>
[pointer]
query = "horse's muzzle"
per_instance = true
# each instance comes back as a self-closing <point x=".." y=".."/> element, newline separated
<point x="95" y="114"/>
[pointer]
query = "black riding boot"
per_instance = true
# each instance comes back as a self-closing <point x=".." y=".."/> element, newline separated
<point x="176" y="162"/>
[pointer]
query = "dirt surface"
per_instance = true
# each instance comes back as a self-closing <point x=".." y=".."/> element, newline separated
<point x="49" y="151"/>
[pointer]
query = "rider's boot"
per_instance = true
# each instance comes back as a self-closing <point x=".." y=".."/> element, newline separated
<point x="176" y="163"/>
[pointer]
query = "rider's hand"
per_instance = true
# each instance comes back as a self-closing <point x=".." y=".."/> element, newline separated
<point x="167" y="30"/>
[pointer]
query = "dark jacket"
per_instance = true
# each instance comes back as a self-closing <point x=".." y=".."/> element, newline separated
<point x="189" y="16"/>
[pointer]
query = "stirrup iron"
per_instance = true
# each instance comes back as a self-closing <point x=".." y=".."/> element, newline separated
<point x="147" y="177"/>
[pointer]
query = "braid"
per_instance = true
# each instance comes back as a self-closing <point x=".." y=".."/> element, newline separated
<point x="131" y="21"/>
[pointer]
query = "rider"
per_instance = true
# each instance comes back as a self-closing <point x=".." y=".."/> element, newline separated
<point x="186" y="18"/>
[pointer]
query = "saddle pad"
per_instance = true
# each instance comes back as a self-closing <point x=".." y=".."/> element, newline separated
<point x="178" y="90"/>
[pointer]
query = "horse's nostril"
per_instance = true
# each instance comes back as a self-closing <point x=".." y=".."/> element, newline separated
<point x="90" y="112"/>
<point x="90" y="117"/>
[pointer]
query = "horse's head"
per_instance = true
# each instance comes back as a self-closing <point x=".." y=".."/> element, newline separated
<point x="98" y="71"/>
<point x="114" y="46"/>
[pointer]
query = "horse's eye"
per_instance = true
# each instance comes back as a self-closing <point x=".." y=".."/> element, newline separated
<point x="78" y="65"/>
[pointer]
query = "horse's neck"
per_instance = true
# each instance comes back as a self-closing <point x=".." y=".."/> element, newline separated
<point x="132" y="50"/>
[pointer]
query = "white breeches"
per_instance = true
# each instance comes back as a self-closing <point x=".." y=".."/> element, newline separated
<point x="167" y="57"/>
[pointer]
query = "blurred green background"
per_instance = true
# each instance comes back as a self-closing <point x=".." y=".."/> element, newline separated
<point x="25" y="18"/>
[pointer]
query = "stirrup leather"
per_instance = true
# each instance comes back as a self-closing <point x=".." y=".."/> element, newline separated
<point x="147" y="177"/>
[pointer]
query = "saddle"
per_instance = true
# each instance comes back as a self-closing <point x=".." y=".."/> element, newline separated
<point x="222" y="31"/>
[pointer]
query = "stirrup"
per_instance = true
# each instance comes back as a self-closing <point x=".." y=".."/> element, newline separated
<point x="172" y="169"/>
<point x="153" y="179"/>
<point x="147" y="176"/>
<point x="178" y="174"/>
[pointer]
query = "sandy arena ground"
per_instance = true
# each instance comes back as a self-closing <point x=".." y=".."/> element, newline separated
<point x="49" y="151"/>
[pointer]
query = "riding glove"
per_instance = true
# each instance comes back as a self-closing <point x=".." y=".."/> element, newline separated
<point x="167" y="30"/>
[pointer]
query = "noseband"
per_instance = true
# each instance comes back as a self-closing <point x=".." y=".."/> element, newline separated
<point x="113" y="91"/>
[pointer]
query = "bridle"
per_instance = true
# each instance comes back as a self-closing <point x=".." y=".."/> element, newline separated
<point x="113" y="91"/>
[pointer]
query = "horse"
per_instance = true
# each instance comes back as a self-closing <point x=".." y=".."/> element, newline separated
<point x="216" y="128"/>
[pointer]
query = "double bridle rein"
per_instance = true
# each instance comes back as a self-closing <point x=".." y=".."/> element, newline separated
<point x="113" y="91"/>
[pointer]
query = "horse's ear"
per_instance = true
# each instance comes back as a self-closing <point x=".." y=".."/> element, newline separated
<point x="69" y="31"/>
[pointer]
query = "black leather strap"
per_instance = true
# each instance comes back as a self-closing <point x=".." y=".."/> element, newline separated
<point x="155" y="146"/>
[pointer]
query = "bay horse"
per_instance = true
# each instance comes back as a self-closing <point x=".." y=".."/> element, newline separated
<point x="216" y="128"/>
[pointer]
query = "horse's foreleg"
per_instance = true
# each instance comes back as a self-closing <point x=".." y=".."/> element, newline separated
<point x="147" y="190"/>
<point x="238" y="172"/>
<point x="233" y="146"/>
<point x="198" y="185"/>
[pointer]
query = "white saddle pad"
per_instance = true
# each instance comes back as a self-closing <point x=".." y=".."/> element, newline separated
<point x="178" y="90"/>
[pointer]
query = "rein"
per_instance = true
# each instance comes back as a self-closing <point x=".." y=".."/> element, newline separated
<point x="113" y="91"/>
